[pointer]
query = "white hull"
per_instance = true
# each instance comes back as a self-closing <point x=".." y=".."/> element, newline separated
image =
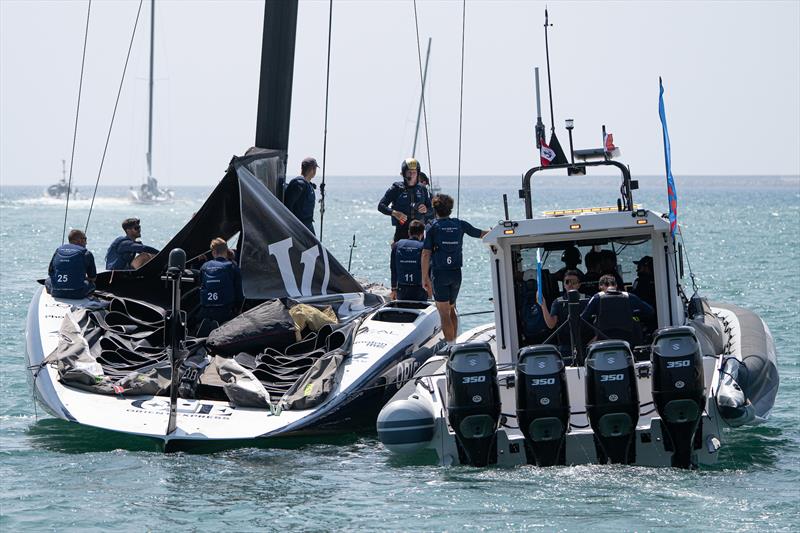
<point x="165" y="196"/>
<point x="378" y="347"/>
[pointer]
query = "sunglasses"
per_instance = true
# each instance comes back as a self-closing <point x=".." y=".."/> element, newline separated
<point x="572" y="282"/>
<point x="136" y="227"/>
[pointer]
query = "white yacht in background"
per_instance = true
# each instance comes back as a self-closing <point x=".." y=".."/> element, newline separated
<point x="149" y="192"/>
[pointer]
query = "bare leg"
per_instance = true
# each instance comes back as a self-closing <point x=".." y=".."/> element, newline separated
<point x="446" y="316"/>
<point x="454" y="320"/>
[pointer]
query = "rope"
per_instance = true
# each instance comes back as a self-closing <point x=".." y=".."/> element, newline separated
<point x="686" y="254"/>
<point x="422" y="96"/>
<point x="325" y="127"/>
<point x="113" y="115"/>
<point x="461" y="106"/>
<point x="75" y="130"/>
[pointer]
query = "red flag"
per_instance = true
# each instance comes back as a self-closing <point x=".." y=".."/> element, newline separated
<point x="608" y="143"/>
<point x="546" y="153"/>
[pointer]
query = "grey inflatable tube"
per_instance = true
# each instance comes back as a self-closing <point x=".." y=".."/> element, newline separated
<point x="760" y="380"/>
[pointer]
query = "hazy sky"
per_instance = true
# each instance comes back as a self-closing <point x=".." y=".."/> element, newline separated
<point x="731" y="72"/>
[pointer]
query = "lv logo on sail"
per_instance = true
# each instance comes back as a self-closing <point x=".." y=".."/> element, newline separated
<point x="308" y="258"/>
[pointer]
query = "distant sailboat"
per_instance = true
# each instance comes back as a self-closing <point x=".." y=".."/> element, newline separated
<point x="149" y="192"/>
<point x="62" y="188"/>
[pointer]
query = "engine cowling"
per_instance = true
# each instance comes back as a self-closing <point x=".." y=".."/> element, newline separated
<point x="612" y="400"/>
<point x="542" y="404"/>
<point x="473" y="402"/>
<point x="678" y="389"/>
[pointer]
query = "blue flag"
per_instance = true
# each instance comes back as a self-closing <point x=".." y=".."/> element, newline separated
<point x="671" y="192"/>
<point x="539" y="296"/>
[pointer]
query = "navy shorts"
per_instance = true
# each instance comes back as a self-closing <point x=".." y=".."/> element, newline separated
<point x="411" y="292"/>
<point x="446" y="284"/>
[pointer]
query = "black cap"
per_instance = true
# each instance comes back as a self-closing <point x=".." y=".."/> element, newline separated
<point x="646" y="260"/>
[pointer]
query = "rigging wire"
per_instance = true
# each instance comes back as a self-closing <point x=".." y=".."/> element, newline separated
<point x="113" y="115"/>
<point x="422" y="95"/>
<point x="75" y="130"/>
<point x="461" y="105"/>
<point x="688" y="263"/>
<point x="325" y="127"/>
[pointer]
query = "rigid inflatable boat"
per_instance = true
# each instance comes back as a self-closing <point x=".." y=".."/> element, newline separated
<point x="614" y="387"/>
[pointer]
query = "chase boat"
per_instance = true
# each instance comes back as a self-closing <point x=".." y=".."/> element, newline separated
<point x="621" y="391"/>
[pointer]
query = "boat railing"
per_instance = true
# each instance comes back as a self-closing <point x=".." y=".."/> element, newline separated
<point x="624" y="203"/>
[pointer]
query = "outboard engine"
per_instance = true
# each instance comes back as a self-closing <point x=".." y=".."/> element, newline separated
<point x="473" y="401"/>
<point x="678" y="392"/>
<point x="542" y="404"/>
<point x="612" y="400"/>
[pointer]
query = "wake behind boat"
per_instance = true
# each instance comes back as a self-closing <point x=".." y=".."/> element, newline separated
<point x="107" y="362"/>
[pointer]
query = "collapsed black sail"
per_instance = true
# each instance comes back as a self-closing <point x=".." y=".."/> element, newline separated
<point x="278" y="256"/>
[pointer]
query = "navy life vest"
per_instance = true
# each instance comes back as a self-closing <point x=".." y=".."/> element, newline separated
<point x="448" y="239"/>
<point x="116" y="260"/>
<point x="303" y="209"/>
<point x="408" y="258"/>
<point x="69" y="272"/>
<point x="408" y="199"/>
<point x="615" y="317"/>
<point x="532" y="317"/>
<point x="217" y="283"/>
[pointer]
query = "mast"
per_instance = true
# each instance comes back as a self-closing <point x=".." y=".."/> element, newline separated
<point x="421" y="98"/>
<point x="277" y="70"/>
<point x="150" y="96"/>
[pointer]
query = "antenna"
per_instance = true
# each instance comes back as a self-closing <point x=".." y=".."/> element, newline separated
<point x="549" y="86"/>
<point x="539" y="123"/>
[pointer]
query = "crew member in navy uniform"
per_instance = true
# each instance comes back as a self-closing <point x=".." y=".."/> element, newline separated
<point x="590" y="282"/>
<point x="72" y="271"/>
<point x="616" y="313"/>
<point x="221" y="294"/>
<point x="300" y="196"/>
<point x="406" y="200"/>
<point x="571" y="257"/>
<point x="407" y="265"/>
<point x="442" y="258"/>
<point x="122" y="254"/>
<point x="558" y="312"/>
<point x="644" y="286"/>
<point x="534" y="326"/>
<point x="608" y="266"/>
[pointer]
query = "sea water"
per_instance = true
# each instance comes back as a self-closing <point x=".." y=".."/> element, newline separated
<point x="741" y="236"/>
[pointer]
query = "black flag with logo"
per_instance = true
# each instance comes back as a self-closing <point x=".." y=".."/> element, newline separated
<point x="277" y="254"/>
<point x="555" y="146"/>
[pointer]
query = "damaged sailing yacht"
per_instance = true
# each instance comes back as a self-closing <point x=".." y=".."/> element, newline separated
<point x="314" y="351"/>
